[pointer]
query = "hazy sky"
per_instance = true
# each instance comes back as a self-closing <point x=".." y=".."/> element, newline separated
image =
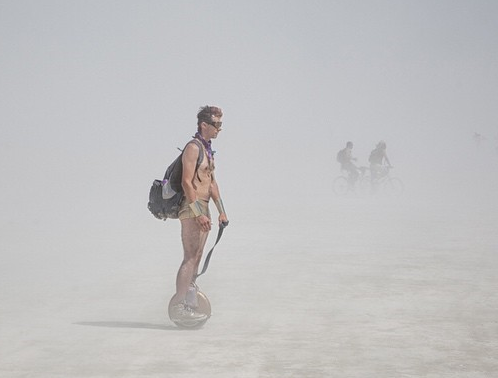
<point x="97" y="95"/>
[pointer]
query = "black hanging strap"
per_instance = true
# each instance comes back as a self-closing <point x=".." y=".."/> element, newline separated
<point x="208" y="257"/>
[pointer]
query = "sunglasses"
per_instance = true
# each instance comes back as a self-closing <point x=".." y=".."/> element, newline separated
<point x="216" y="125"/>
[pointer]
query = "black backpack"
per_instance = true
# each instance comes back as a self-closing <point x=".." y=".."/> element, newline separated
<point x="166" y="195"/>
<point x="341" y="156"/>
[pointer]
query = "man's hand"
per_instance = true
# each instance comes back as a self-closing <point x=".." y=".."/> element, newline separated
<point x="222" y="218"/>
<point x="204" y="223"/>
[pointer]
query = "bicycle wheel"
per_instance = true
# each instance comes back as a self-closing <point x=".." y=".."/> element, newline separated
<point x="393" y="186"/>
<point x="340" y="186"/>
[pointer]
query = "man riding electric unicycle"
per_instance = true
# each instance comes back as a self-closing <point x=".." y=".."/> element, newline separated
<point x="189" y="307"/>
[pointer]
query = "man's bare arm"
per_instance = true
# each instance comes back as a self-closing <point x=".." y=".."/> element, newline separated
<point x="215" y="195"/>
<point x="189" y="160"/>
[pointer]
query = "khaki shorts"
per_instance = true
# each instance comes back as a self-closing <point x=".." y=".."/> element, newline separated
<point x="186" y="212"/>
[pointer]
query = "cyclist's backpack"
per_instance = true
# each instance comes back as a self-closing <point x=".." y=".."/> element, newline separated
<point x="376" y="156"/>
<point x="340" y="156"/>
<point x="166" y="195"/>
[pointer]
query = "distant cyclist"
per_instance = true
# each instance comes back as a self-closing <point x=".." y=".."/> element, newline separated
<point x="377" y="159"/>
<point x="345" y="158"/>
<point x="478" y="139"/>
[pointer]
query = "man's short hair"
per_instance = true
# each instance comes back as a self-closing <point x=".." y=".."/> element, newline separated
<point x="206" y="114"/>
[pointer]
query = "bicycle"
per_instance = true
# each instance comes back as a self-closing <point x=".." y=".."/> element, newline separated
<point x="390" y="186"/>
<point x="343" y="184"/>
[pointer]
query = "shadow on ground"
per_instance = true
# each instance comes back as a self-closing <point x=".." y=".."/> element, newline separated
<point x="116" y="324"/>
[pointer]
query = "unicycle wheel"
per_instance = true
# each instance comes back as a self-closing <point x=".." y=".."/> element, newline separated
<point x="204" y="307"/>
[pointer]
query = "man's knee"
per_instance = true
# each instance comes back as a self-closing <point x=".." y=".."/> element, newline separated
<point x="191" y="260"/>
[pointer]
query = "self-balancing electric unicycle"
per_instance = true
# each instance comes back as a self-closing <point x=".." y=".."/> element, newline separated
<point x="199" y="302"/>
<point x="196" y="299"/>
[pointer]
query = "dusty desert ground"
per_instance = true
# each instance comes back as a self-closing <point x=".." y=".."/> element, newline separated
<point x="359" y="287"/>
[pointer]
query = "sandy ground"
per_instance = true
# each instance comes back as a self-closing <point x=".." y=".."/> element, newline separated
<point x="349" y="288"/>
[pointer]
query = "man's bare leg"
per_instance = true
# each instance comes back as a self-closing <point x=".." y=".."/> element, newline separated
<point x="193" y="240"/>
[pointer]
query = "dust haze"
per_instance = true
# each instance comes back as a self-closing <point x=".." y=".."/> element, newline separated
<point x="96" y="97"/>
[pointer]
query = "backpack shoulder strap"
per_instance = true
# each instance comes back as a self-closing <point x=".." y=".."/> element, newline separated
<point x="175" y="168"/>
